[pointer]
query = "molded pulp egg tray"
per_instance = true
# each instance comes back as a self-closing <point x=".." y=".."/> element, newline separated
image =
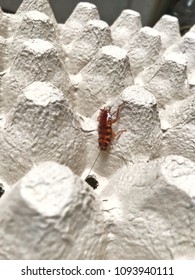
<point x="54" y="79"/>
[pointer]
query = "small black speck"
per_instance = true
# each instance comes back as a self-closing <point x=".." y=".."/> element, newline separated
<point x="1" y="191"/>
<point x="91" y="180"/>
<point x="164" y="130"/>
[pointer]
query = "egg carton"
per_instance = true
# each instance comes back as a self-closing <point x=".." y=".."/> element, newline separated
<point x="62" y="197"/>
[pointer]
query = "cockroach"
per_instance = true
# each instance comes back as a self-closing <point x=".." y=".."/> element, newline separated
<point x="105" y="132"/>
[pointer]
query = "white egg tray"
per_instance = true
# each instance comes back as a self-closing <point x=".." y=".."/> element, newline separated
<point x="54" y="81"/>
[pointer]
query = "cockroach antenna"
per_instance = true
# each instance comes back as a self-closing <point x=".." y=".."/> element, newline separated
<point x="94" y="163"/>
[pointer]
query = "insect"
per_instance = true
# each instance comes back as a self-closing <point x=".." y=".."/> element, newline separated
<point x="105" y="132"/>
<point x="91" y="180"/>
<point x="105" y="135"/>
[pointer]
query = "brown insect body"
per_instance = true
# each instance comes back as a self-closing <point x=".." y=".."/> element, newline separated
<point x="105" y="132"/>
<point x="105" y="128"/>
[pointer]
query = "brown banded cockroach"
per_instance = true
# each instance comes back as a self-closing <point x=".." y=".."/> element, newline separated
<point x="106" y="135"/>
<point x="105" y="131"/>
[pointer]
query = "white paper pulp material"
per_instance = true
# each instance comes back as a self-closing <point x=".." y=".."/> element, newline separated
<point x="54" y="80"/>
